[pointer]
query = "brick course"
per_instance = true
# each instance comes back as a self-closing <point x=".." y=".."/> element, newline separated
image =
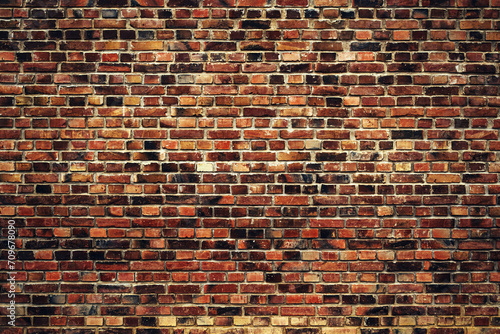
<point x="251" y="167"/>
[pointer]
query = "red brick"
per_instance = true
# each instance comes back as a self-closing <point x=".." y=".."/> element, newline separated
<point x="254" y="200"/>
<point x="310" y="156"/>
<point x="366" y="67"/>
<point x="363" y="90"/>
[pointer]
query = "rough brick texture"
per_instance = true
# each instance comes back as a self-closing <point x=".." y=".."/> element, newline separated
<point x="251" y="167"/>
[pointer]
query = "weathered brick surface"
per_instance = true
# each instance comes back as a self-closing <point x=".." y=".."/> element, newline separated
<point x="251" y="167"/>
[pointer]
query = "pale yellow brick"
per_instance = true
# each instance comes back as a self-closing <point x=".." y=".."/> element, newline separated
<point x="310" y="255"/>
<point x="463" y="321"/>
<point x="336" y="330"/>
<point x="404" y="145"/>
<point x="205" y="167"/>
<point x="7" y="211"/>
<point x="279" y="321"/>
<point x="385" y="255"/>
<point x="407" y="321"/>
<point x="317" y="321"/>
<point x="313" y="145"/>
<point x="95" y="321"/>
<point x="276" y="167"/>
<point x="308" y="277"/>
<point x="205" y="321"/>
<point x="204" y="79"/>
<point x="291" y="56"/>
<point x="96" y="100"/>
<point x="298" y="321"/>
<point x="403" y="167"/>
<point x="241" y="167"/>
<point x="346" y="56"/>
<point x="7" y="167"/>
<point x="167" y="321"/>
<point x="78" y="167"/>
<point x="264" y="330"/>
<point x="425" y="321"/>
<point x="242" y="321"/>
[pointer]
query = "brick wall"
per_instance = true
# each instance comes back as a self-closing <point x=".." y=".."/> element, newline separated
<point x="251" y="167"/>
